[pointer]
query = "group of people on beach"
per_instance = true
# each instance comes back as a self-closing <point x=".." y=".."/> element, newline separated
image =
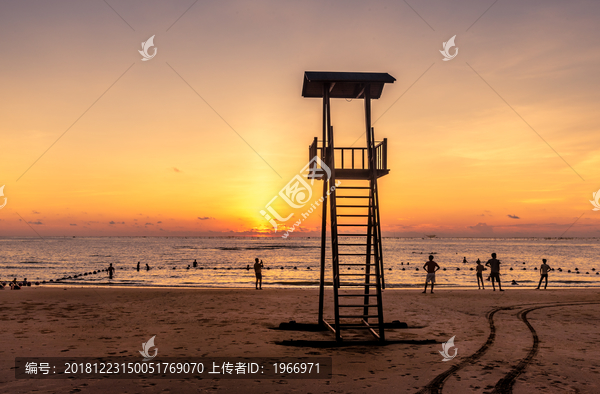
<point x="258" y="266"/>
<point x="14" y="285"/>
<point x="432" y="267"/>
<point x="111" y="269"/>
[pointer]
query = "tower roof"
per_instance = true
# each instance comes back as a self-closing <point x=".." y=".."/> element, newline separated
<point x="344" y="84"/>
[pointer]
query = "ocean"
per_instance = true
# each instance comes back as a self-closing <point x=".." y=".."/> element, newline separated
<point x="292" y="262"/>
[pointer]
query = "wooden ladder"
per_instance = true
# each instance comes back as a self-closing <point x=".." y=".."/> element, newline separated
<point x="356" y="246"/>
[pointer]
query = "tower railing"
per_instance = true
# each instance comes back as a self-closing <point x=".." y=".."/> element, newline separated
<point x="352" y="158"/>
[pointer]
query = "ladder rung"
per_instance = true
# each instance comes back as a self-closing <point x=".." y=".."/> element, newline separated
<point x="357" y="274"/>
<point x="356" y="306"/>
<point x="353" y="206"/>
<point x="352" y="225"/>
<point x="353" y="187"/>
<point x="355" y="254"/>
<point x="354" y="216"/>
<point x="357" y="295"/>
<point x="361" y="316"/>
<point x="353" y="196"/>
<point x="352" y="235"/>
<point x="362" y="265"/>
<point x="352" y="244"/>
<point x="359" y="326"/>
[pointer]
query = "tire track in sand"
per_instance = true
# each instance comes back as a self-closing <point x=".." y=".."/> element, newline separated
<point x="504" y="385"/>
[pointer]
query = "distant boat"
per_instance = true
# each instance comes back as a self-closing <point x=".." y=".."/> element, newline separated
<point x="430" y="236"/>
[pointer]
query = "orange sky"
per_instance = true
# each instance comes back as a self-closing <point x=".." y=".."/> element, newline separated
<point x="150" y="156"/>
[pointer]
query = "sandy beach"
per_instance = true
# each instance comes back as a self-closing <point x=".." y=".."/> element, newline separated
<point x="101" y="322"/>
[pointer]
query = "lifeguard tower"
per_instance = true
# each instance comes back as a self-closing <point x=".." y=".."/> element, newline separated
<point x="356" y="251"/>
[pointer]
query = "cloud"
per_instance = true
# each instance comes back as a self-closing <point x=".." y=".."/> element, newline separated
<point x="35" y="212"/>
<point x="204" y="218"/>
<point x="113" y="222"/>
<point x="482" y="228"/>
<point x="158" y="222"/>
<point x="175" y="169"/>
<point x="513" y="216"/>
<point x="38" y="222"/>
<point x="73" y="224"/>
<point x="149" y="224"/>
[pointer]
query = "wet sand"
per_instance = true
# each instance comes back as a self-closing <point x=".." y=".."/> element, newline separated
<point x="495" y="337"/>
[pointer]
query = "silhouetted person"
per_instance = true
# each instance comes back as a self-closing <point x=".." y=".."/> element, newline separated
<point x="195" y="264"/>
<point x="258" y="272"/>
<point x="479" y="270"/>
<point x="14" y="285"/>
<point x="111" y="271"/>
<point x="138" y="266"/>
<point x="465" y="260"/>
<point x="431" y="267"/>
<point x="494" y="265"/>
<point x="544" y="268"/>
<point x="147" y="267"/>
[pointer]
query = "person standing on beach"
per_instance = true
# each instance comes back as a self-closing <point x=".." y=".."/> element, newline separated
<point x="258" y="272"/>
<point x="195" y="264"/>
<point x="479" y="270"/>
<point x="544" y="268"/>
<point x="110" y="270"/>
<point x="431" y="267"/>
<point x="494" y="265"/>
<point x="138" y="267"/>
<point x="147" y="267"/>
